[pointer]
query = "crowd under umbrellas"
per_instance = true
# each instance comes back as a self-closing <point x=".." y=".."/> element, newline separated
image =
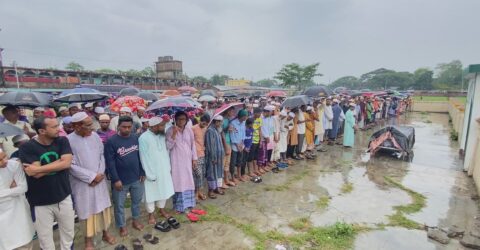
<point x="93" y="150"/>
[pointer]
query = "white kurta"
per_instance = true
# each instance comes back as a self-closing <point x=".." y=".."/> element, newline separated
<point x="285" y="126"/>
<point x="16" y="227"/>
<point x="328" y="116"/>
<point x="156" y="163"/>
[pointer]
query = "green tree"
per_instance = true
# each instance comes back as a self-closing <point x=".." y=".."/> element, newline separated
<point x="148" y="72"/>
<point x="423" y="79"/>
<point x="106" y="71"/>
<point x="449" y="74"/>
<point x="350" y="82"/>
<point x="219" y="79"/>
<point x="199" y="79"/>
<point x="295" y="75"/>
<point x="73" y="66"/>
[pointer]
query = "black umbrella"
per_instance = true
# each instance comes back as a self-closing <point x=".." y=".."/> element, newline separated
<point x="148" y="96"/>
<point x="129" y="91"/>
<point x="318" y="91"/>
<point x="25" y="99"/>
<point x="9" y="130"/>
<point x="296" y="101"/>
<point x="208" y="92"/>
<point x="230" y="95"/>
<point x="80" y="95"/>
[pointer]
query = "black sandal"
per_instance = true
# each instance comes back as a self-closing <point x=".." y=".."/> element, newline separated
<point x="151" y="239"/>
<point x="137" y="244"/>
<point x="275" y="170"/>
<point x="163" y="226"/>
<point x="121" y="247"/>
<point x="256" y="179"/>
<point x="173" y="222"/>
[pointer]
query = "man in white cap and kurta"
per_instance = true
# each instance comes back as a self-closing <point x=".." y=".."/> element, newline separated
<point x="125" y="111"/>
<point x="156" y="163"/>
<point x="87" y="179"/>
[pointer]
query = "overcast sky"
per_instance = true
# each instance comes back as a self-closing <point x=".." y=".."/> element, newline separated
<point x="249" y="39"/>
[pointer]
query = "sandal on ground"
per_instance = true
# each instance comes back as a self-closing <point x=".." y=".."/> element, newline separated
<point x="211" y="195"/>
<point x="198" y="211"/>
<point x="173" y="223"/>
<point x="256" y="179"/>
<point x="110" y="240"/>
<point x="151" y="239"/>
<point x="192" y="217"/>
<point x="276" y="170"/>
<point x="163" y="226"/>
<point x="218" y="191"/>
<point x="120" y="247"/>
<point x="137" y="244"/>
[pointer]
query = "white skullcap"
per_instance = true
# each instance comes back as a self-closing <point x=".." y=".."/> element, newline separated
<point x="62" y="108"/>
<point x="39" y="109"/>
<point x="269" y="108"/>
<point x="335" y="100"/>
<point x="283" y="113"/>
<point x="141" y="108"/>
<point x="72" y="105"/>
<point x="104" y="117"/>
<point x="218" y="118"/>
<point x="255" y="105"/>
<point x="352" y="104"/>
<point x="309" y="108"/>
<point x="143" y="119"/>
<point x="99" y="110"/>
<point x="256" y="101"/>
<point x="291" y="114"/>
<point x="78" y="117"/>
<point x="126" y="109"/>
<point x="276" y="103"/>
<point x="155" y="121"/>
<point x="89" y="105"/>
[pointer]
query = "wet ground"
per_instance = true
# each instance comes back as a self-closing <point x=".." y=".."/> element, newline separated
<point x="341" y="185"/>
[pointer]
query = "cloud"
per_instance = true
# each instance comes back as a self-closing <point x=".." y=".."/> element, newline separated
<point x="242" y="38"/>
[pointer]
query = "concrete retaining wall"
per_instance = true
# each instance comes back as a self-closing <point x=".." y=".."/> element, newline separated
<point x="456" y="110"/>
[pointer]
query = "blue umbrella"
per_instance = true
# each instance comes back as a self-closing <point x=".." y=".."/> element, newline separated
<point x="80" y="95"/>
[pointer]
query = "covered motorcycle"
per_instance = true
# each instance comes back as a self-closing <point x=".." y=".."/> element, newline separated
<point x="396" y="140"/>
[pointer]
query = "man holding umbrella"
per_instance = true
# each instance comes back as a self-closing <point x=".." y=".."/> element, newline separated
<point x="12" y="115"/>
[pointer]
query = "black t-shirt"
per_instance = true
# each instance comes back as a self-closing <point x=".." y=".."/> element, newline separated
<point x="54" y="187"/>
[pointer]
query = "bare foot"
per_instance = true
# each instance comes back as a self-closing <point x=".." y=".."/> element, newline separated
<point x="123" y="231"/>
<point x="137" y="225"/>
<point x="164" y="213"/>
<point x="151" y="219"/>
<point x="89" y="244"/>
<point x="109" y="238"/>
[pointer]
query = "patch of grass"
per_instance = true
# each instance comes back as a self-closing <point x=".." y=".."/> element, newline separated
<point x="128" y="203"/>
<point x="323" y="202"/>
<point x="418" y="202"/>
<point x="399" y="220"/>
<point x="424" y="113"/>
<point x="338" y="236"/>
<point x="428" y="121"/>
<point x="301" y="224"/>
<point x="431" y="98"/>
<point x="287" y="184"/>
<point x="453" y="135"/>
<point x="347" y="187"/>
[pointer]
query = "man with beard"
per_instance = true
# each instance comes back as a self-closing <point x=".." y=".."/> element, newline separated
<point x="156" y="163"/>
<point x="214" y="153"/>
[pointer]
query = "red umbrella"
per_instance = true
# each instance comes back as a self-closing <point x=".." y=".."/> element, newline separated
<point x="277" y="93"/>
<point x="220" y="111"/>
<point x="187" y="89"/>
<point x="171" y="92"/>
<point x="128" y="101"/>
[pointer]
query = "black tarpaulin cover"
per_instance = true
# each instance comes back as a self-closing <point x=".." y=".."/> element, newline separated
<point x="404" y="136"/>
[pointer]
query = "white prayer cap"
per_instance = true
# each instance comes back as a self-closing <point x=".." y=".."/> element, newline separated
<point x="155" y="121"/>
<point x="269" y="108"/>
<point x="352" y="104"/>
<point x="256" y="101"/>
<point x="283" y="113"/>
<point x="143" y="119"/>
<point x="291" y="114"/>
<point x="99" y="110"/>
<point x="276" y="103"/>
<point x="104" y="117"/>
<point x="141" y="108"/>
<point x="62" y="108"/>
<point x="78" y="117"/>
<point x="255" y="105"/>
<point x="218" y="118"/>
<point x="309" y="108"/>
<point x="72" y="105"/>
<point x="335" y="100"/>
<point x="89" y="105"/>
<point x="126" y="109"/>
<point x="39" y="109"/>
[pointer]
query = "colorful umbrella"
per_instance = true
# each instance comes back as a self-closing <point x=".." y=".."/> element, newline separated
<point x="277" y="93"/>
<point x="132" y="102"/>
<point x="187" y="89"/>
<point x="172" y="104"/>
<point x="80" y="95"/>
<point x="220" y="111"/>
<point x="171" y="92"/>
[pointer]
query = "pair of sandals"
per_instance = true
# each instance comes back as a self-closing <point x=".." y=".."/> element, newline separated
<point x="167" y="225"/>
<point x="256" y="179"/>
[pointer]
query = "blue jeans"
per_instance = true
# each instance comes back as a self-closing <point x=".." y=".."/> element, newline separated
<point x="136" y="190"/>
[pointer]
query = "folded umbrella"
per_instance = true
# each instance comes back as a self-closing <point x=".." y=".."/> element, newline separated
<point x="81" y="95"/>
<point x="25" y="99"/>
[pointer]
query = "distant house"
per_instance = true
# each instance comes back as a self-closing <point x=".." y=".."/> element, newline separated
<point x="237" y="82"/>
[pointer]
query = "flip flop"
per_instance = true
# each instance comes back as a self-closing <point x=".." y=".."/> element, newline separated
<point x="192" y="217"/>
<point x="163" y="226"/>
<point x="173" y="222"/>
<point x="151" y="239"/>
<point x="198" y="211"/>
<point x="121" y="247"/>
<point x="276" y="170"/>
<point x="137" y="244"/>
<point x="257" y="179"/>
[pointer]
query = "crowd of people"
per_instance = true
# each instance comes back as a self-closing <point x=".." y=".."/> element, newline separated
<point x="79" y="161"/>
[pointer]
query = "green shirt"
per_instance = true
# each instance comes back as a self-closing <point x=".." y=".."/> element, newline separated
<point x="257" y="124"/>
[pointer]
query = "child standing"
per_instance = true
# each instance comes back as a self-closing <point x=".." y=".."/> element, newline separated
<point x="247" y="142"/>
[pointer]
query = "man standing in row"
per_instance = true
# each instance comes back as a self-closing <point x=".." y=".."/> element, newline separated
<point x="87" y="178"/>
<point x="156" y="163"/>
<point x="126" y="172"/>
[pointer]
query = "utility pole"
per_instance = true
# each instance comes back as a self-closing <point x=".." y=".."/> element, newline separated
<point x="2" y="79"/>
<point x="16" y="74"/>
